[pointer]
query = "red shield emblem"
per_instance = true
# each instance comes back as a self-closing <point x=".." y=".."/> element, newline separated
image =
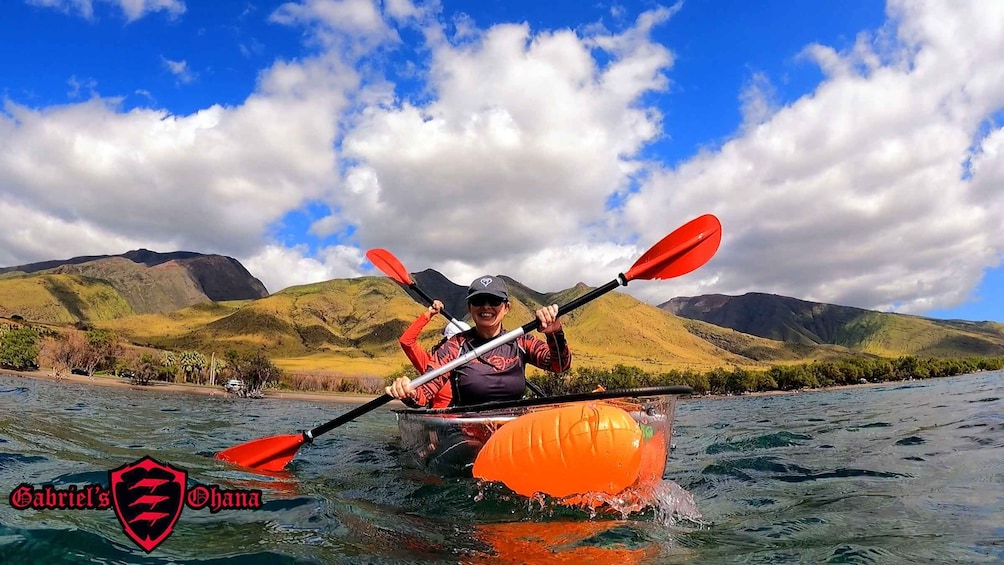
<point x="148" y="497"/>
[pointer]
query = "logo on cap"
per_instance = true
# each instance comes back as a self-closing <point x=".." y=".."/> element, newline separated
<point x="485" y="282"/>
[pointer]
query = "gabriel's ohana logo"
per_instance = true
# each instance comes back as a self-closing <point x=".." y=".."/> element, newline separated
<point x="147" y="496"/>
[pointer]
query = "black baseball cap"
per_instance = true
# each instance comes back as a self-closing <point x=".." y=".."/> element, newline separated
<point x="487" y="284"/>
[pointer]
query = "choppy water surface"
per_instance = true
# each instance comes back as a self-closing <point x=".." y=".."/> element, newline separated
<point x="902" y="473"/>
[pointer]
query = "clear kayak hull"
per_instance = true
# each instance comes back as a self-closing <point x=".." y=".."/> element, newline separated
<point x="559" y="445"/>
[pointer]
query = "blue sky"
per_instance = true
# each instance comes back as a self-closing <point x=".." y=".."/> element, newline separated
<point x="852" y="150"/>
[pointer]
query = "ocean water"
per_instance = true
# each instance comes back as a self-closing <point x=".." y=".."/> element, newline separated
<point x="901" y="473"/>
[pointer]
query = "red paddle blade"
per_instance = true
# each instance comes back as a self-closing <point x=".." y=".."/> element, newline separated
<point x="687" y="248"/>
<point x="388" y="263"/>
<point x="266" y="454"/>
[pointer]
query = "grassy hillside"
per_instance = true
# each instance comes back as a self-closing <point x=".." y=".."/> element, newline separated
<point x="162" y="288"/>
<point x="811" y="323"/>
<point x="348" y="317"/>
<point x="892" y="334"/>
<point x="158" y="328"/>
<point x="351" y="327"/>
<point x="619" y="329"/>
<point x="768" y="351"/>
<point x="61" y="299"/>
<point x="148" y="281"/>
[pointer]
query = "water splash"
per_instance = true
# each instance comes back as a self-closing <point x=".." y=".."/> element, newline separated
<point x="667" y="502"/>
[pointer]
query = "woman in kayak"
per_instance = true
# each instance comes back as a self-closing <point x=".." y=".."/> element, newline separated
<point x="419" y="357"/>
<point x="500" y="373"/>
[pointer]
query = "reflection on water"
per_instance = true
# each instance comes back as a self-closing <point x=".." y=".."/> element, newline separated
<point x="893" y="474"/>
<point x="564" y="541"/>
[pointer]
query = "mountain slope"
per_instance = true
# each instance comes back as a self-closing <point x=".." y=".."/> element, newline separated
<point x="149" y="282"/>
<point x="352" y="325"/>
<point x="61" y="299"/>
<point x="211" y="303"/>
<point x="811" y="323"/>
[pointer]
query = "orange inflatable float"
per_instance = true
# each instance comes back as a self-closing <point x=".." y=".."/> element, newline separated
<point x="585" y="449"/>
<point x="571" y="449"/>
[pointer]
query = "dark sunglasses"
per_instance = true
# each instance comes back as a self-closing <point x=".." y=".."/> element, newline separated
<point x="482" y="299"/>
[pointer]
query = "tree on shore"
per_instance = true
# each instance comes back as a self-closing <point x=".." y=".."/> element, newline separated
<point x="191" y="364"/>
<point x="103" y="347"/>
<point x="256" y="372"/>
<point x="87" y="351"/>
<point x="61" y="352"/>
<point x="19" y="349"/>
<point x="145" y="369"/>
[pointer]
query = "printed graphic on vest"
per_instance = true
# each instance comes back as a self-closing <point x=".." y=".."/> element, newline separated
<point x="146" y="495"/>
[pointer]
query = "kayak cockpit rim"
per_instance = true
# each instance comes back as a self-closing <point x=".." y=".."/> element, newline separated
<point x="644" y="392"/>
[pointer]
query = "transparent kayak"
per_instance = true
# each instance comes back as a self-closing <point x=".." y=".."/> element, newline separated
<point x="552" y="444"/>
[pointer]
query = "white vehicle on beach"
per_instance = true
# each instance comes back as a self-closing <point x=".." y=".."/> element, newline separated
<point x="233" y="386"/>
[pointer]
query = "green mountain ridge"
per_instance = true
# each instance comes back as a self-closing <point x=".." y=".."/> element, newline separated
<point x="351" y="326"/>
<point x="337" y="324"/>
<point x="148" y="282"/>
<point x="812" y="323"/>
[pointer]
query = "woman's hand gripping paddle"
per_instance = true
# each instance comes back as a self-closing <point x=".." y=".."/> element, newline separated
<point x="687" y="248"/>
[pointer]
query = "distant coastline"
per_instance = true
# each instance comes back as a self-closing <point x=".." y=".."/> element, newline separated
<point x="185" y="388"/>
<point x="207" y="390"/>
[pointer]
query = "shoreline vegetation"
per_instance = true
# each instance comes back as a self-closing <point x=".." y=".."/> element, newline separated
<point x="716" y="384"/>
<point x="97" y="356"/>
<point x="316" y="396"/>
<point x="100" y="356"/>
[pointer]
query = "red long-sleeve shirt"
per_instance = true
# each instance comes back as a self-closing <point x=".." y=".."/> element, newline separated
<point x="420" y="358"/>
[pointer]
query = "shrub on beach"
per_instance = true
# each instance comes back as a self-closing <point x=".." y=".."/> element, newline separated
<point x="739" y="380"/>
<point x="19" y="349"/>
<point x="328" y="382"/>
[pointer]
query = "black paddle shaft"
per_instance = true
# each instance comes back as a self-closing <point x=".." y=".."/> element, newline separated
<point x="348" y="416"/>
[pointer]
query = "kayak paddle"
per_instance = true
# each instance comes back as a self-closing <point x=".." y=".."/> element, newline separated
<point x="685" y="249"/>
<point x="394" y="268"/>
<point x="389" y="264"/>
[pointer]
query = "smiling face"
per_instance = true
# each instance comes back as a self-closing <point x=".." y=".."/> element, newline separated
<point x="487" y="312"/>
